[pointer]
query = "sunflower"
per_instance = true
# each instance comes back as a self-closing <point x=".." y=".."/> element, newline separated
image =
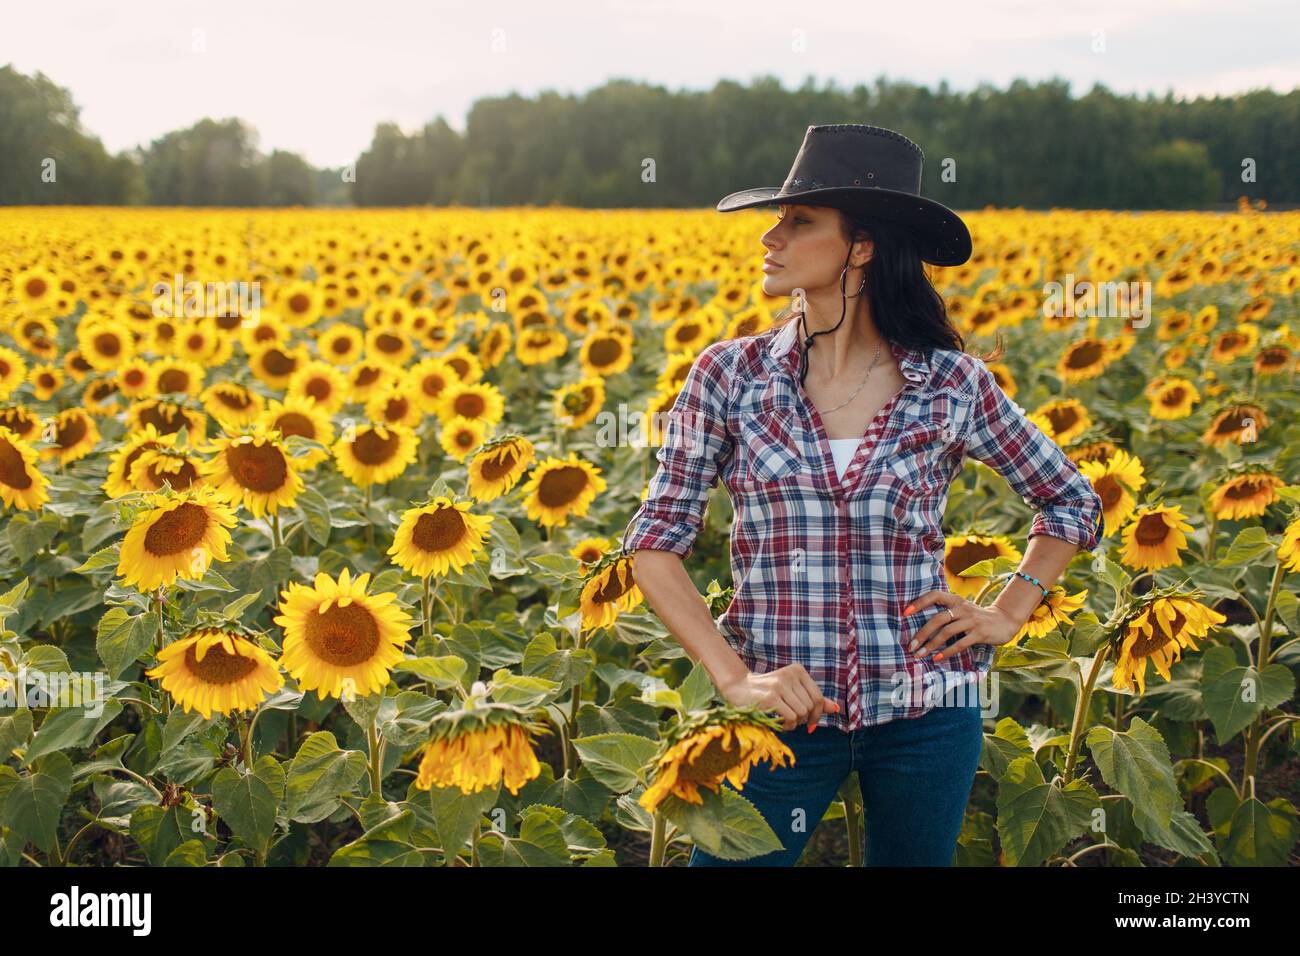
<point x="232" y="404"/>
<point x="302" y="417"/>
<point x="118" y="482"/>
<point x="75" y="364"/>
<point x="366" y="378"/>
<point x="102" y="344"/>
<point x="484" y="744"/>
<point x="211" y="670"/>
<point x="340" y="344"/>
<point x="1245" y="496"/>
<point x="561" y="487"/>
<point x="36" y="288"/>
<point x="167" y="418"/>
<point x="274" y="364"/>
<point x="1054" y="610"/>
<point x="578" y="403"/>
<point x="320" y="382"/>
<point x="101" y="397"/>
<point x="460" y="436"/>
<point x="179" y="536"/>
<point x="498" y="466"/>
<point x="1113" y="480"/>
<point x="1157" y="632"/>
<point x="46" y="379"/>
<point x="440" y="536"/>
<point x="1288" y="551"/>
<point x="389" y="346"/>
<point x="255" y="470"/>
<point x="589" y="550"/>
<point x="339" y="640"/>
<point x="609" y="590"/>
<point x="21" y="422"/>
<point x="299" y="303"/>
<point x="536" y="346"/>
<point x="22" y="486"/>
<point x="181" y="376"/>
<point x="606" y="351"/>
<point x="396" y="403"/>
<point x="375" y="453"/>
<point x="709" y="748"/>
<point x="13" y="371"/>
<point x="1083" y="359"/>
<point x="493" y="344"/>
<point x="133" y="378"/>
<point x="1154" y="537"/>
<point x="431" y="376"/>
<point x="1174" y="398"/>
<point x="74" y="434"/>
<point x="478" y="401"/>
<point x="153" y="466"/>
<point x="961" y="551"/>
<point x="1240" y="423"/>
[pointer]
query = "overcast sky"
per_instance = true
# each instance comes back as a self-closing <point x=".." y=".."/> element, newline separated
<point x="315" y="77"/>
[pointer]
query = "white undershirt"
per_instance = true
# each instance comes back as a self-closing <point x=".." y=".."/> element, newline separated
<point x="842" y="449"/>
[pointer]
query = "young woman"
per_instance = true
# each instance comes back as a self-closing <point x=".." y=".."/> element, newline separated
<point x="837" y="434"/>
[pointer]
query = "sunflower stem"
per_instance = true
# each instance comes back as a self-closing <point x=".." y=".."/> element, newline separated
<point x="1210" y="536"/>
<point x="376" y="756"/>
<point x="1253" y="735"/>
<point x="853" y="825"/>
<point x="162" y="641"/>
<point x="370" y="527"/>
<point x="425" y="604"/>
<point x="658" y="844"/>
<point x="276" y="536"/>
<point x="1081" y="711"/>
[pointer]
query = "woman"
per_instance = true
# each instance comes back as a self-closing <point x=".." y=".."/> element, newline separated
<point x="837" y="434"/>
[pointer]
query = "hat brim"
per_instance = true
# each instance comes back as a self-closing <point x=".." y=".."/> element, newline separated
<point x="942" y="237"/>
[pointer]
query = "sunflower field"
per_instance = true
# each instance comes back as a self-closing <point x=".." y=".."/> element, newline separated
<point x="310" y="542"/>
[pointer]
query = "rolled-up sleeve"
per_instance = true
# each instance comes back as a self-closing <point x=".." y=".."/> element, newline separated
<point x="695" y="446"/>
<point x="1004" y="438"/>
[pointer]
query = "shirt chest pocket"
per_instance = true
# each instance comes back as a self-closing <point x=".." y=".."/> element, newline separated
<point x="925" y="449"/>
<point x="769" y="443"/>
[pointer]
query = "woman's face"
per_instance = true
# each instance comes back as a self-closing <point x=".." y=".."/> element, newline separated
<point x="806" y="250"/>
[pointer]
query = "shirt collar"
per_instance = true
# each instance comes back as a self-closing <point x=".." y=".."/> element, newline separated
<point x="784" y="350"/>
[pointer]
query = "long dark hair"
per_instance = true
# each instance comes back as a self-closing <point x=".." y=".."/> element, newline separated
<point x="906" y="307"/>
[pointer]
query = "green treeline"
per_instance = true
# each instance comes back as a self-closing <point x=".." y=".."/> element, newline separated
<point x="630" y="144"/>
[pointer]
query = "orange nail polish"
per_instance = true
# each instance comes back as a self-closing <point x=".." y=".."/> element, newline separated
<point x="908" y="610"/>
<point x="939" y="656"/>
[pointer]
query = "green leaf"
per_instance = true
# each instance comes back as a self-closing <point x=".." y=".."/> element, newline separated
<point x="441" y="672"/>
<point x="725" y="824"/>
<point x="1037" y="818"/>
<point x="1234" y="695"/>
<point x="121" y="638"/>
<point x="315" y="515"/>
<point x="1250" y="547"/>
<point x="1136" y="764"/>
<point x="31" y="805"/>
<point x="71" y="727"/>
<point x="103" y="558"/>
<point x="456" y="815"/>
<point x="159" y="831"/>
<point x="189" y="853"/>
<point x="616" y="760"/>
<point x="1262" y="834"/>
<point x="27" y="536"/>
<point x="319" y="775"/>
<point x="248" y="801"/>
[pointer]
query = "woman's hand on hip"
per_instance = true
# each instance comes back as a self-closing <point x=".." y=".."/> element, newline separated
<point x="959" y="618"/>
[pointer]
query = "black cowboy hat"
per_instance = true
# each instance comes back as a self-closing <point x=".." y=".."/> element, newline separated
<point x="868" y="170"/>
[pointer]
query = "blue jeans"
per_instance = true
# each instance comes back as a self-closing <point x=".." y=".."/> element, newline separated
<point x="915" y="773"/>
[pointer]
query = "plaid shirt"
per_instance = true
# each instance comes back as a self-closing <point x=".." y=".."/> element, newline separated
<point x="823" y="566"/>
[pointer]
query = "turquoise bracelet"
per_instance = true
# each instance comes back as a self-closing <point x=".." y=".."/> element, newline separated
<point x="1034" y="581"/>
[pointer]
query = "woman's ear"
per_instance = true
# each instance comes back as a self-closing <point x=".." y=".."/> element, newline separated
<point x="864" y="250"/>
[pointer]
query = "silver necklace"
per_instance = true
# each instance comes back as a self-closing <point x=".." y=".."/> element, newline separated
<point x="827" y="411"/>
